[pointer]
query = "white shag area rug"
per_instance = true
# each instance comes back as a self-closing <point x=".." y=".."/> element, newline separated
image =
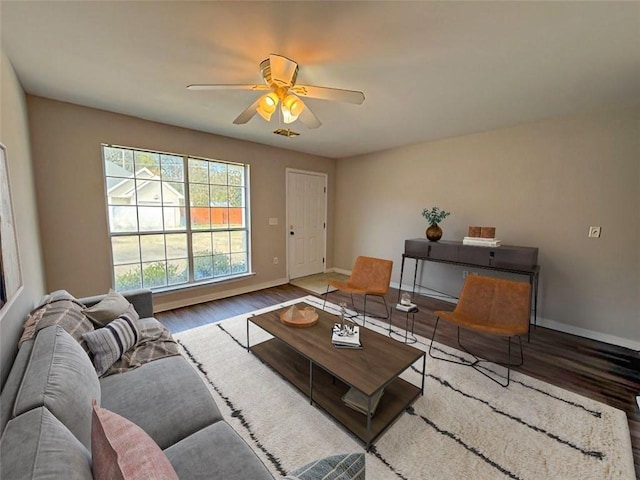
<point x="464" y="427"/>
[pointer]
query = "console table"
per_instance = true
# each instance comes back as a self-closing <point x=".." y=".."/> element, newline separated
<point x="505" y="258"/>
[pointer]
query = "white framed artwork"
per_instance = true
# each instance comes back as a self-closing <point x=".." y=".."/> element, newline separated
<point x="10" y="274"/>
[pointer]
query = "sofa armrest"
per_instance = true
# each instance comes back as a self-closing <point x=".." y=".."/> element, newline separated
<point x="142" y="301"/>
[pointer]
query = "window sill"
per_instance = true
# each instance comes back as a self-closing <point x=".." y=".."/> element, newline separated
<point x="203" y="283"/>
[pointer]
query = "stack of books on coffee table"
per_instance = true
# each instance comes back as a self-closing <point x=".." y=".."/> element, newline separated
<point x="346" y="341"/>
<point x="481" y="242"/>
<point x="358" y="400"/>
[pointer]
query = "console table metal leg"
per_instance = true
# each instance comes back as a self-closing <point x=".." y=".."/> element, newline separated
<point x="248" y="334"/>
<point x="415" y="277"/>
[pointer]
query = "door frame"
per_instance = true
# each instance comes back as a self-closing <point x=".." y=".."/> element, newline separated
<point x="289" y="171"/>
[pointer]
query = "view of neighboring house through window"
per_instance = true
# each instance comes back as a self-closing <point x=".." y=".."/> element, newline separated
<point x="174" y="219"/>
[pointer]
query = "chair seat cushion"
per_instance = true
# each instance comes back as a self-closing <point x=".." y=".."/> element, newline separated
<point x="472" y="323"/>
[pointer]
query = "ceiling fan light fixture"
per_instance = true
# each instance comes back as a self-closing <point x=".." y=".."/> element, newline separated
<point x="267" y="105"/>
<point x="291" y="108"/>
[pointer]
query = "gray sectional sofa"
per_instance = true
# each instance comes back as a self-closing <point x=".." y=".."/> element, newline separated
<point x="46" y="411"/>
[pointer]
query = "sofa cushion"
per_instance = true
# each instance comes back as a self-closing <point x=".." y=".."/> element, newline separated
<point x="108" y="309"/>
<point x="109" y="343"/>
<point x="167" y="410"/>
<point x="37" y="446"/>
<point x="349" y="466"/>
<point x="216" y="452"/>
<point x="12" y="385"/>
<point x="60" y="376"/>
<point x="121" y="450"/>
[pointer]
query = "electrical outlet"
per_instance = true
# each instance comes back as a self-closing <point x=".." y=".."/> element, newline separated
<point x="594" y="232"/>
<point x="465" y="274"/>
<point x="275" y="260"/>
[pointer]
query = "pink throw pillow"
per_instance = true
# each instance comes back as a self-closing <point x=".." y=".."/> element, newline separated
<point x="123" y="451"/>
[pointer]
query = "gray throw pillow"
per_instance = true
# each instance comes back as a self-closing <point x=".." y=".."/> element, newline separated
<point x="109" y="343"/>
<point x="109" y="308"/>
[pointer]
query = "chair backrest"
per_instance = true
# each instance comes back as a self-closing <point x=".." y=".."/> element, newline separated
<point x="372" y="274"/>
<point x="494" y="301"/>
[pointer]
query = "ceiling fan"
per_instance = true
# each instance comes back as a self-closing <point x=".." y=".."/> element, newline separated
<point x="280" y="74"/>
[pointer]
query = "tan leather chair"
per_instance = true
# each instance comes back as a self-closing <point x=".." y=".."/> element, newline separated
<point x="493" y="306"/>
<point x="370" y="276"/>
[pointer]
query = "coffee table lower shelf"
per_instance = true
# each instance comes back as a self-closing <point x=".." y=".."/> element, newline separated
<point x="328" y="390"/>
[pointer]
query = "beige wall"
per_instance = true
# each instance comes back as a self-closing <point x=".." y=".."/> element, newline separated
<point x="67" y="160"/>
<point x="541" y="184"/>
<point x="14" y="134"/>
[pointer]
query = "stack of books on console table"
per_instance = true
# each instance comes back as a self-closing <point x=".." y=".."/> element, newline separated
<point x="358" y="400"/>
<point x="481" y="242"/>
<point x="346" y="341"/>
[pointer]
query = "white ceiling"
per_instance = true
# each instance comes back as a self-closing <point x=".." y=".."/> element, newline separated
<point x="429" y="70"/>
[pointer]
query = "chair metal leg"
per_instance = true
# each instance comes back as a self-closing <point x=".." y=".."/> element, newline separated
<point x="477" y="360"/>
<point x="326" y="294"/>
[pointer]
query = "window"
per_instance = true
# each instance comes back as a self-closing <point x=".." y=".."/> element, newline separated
<point x="175" y="220"/>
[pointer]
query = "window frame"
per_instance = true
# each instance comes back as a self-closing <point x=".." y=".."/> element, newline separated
<point x="187" y="230"/>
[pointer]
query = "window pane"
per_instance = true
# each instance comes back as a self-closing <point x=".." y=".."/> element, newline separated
<point x="123" y="219"/>
<point x="125" y="249"/>
<point x="147" y="164"/>
<point x="150" y="218"/>
<point x="238" y="242"/>
<point x="200" y="219"/>
<point x="172" y="193"/>
<point x="127" y="277"/>
<point x="221" y="265"/>
<point x="202" y="267"/>
<point x="154" y="274"/>
<point x="236" y="217"/>
<point x="236" y="175"/>
<point x="236" y="197"/>
<point x="220" y="217"/>
<point x="118" y="162"/>
<point x="198" y="171"/>
<point x="174" y="218"/>
<point x="152" y="247"/>
<point x="172" y="168"/>
<point x="221" y="242"/>
<point x="217" y="173"/>
<point x="121" y="191"/>
<point x="199" y="195"/>
<point x="239" y="263"/>
<point x="177" y="246"/>
<point x="201" y="244"/>
<point x="177" y="271"/>
<point x="219" y="196"/>
<point x="148" y="192"/>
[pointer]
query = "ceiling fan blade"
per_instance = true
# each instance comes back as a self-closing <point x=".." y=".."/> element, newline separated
<point x="308" y="118"/>
<point x="222" y="86"/>
<point x="248" y="113"/>
<point x="326" y="93"/>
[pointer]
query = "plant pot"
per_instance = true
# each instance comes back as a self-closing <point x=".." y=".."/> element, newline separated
<point x="434" y="232"/>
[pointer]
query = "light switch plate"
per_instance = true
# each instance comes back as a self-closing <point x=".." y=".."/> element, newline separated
<point x="273" y="220"/>
<point x="594" y="232"/>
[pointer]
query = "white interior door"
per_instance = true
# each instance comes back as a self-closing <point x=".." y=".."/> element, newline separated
<point x="306" y="222"/>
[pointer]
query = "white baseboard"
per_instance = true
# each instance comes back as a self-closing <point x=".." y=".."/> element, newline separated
<point x="544" y="322"/>
<point x="159" y="306"/>
<point x="342" y="271"/>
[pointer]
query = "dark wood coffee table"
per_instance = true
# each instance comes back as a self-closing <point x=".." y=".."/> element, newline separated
<point x="294" y="352"/>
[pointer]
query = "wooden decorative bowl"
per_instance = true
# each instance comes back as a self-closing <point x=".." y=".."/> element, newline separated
<point x="294" y="317"/>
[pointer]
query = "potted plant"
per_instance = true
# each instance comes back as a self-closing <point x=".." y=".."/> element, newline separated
<point x="434" y="216"/>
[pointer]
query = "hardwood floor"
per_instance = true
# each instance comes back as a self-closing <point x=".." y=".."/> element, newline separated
<point x="603" y="372"/>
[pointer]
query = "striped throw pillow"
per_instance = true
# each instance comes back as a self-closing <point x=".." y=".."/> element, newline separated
<point x="109" y="343"/>
<point x="349" y="466"/>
